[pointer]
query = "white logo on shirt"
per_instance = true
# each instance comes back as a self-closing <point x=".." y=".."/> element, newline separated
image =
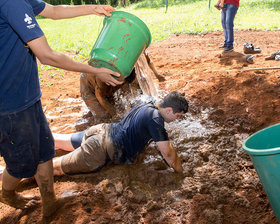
<point x="28" y="19"/>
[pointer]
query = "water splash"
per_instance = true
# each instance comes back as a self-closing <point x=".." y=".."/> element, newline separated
<point x="191" y="128"/>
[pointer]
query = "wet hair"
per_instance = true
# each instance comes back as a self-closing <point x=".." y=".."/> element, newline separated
<point x="176" y="101"/>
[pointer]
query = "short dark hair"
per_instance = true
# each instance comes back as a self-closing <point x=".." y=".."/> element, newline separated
<point x="176" y="101"/>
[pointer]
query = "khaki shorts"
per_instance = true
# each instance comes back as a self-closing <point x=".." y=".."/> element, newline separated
<point x="94" y="153"/>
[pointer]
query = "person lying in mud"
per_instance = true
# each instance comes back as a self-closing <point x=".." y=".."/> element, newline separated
<point x="99" y="97"/>
<point x="121" y="142"/>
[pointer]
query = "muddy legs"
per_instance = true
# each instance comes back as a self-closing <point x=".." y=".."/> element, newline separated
<point x="10" y="197"/>
<point x="44" y="178"/>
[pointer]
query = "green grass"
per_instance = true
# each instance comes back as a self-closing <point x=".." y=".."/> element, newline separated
<point x="183" y="16"/>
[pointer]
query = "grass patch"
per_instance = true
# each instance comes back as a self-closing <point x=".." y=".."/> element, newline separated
<point x="183" y="16"/>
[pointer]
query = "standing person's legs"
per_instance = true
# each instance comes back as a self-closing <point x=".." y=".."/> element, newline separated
<point x="231" y="11"/>
<point x="27" y="145"/>
<point x="10" y="196"/>
<point x="44" y="179"/>
<point x="223" y="17"/>
<point x="19" y="147"/>
<point x="44" y="173"/>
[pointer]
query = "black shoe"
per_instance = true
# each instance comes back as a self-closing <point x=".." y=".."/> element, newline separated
<point x="223" y="46"/>
<point x="228" y="49"/>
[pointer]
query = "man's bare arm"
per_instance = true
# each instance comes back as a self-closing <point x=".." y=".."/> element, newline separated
<point x="170" y="155"/>
<point x="47" y="56"/>
<point x="70" y="11"/>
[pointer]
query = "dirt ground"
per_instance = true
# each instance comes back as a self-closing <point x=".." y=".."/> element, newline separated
<point x="219" y="184"/>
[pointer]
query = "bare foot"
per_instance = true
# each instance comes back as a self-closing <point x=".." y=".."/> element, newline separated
<point x="50" y="208"/>
<point x="18" y="201"/>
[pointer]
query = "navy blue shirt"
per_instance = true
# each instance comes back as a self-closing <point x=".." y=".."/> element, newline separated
<point x="141" y="125"/>
<point x="19" y="81"/>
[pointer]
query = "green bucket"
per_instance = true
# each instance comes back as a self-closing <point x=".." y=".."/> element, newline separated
<point x="120" y="42"/>
<point x="264" y="150"/>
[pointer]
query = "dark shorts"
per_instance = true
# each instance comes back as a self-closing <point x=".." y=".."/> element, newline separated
<point x="77" y="138"/>
<point x="25" y="141"/>
<point x="95" y="152"/>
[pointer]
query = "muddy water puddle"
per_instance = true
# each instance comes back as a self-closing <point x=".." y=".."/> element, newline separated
<point x="218" y="185"/>
<point x="219" y="180"/>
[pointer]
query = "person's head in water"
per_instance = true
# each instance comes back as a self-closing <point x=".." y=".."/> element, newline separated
<point x="173" y="106"/>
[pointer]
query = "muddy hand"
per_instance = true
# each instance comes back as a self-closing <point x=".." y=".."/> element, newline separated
<point x="103" y="10"/>
<point x="106" y="76"/>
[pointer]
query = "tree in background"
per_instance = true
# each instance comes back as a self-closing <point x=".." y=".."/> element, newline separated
<point x="122" y="3"/>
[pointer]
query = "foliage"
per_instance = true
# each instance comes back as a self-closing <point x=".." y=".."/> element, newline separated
<point x="162" y="3"/>
<point x="184" y="16"/>
<point x="264" y="4"/>
<point x="101" y="2"/>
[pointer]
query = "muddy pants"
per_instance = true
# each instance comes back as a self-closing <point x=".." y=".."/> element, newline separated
<point x="95" y="152"/>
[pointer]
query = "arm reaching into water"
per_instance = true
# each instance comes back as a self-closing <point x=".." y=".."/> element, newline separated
<point x="170" y="155"/>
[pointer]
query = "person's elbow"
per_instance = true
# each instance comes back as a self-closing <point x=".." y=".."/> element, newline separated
<point x="45" y="60"/>
<point x="48" y="58"/>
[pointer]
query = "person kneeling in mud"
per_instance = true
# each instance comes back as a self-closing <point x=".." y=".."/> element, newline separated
<point x="99" y="97"/>
<point x="121" y="142"/>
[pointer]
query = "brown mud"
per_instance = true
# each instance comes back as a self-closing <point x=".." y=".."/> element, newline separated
<point x="219" y="184"/>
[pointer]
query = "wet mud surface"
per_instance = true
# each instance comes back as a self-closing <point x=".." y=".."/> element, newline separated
<point x="219" y="184"/>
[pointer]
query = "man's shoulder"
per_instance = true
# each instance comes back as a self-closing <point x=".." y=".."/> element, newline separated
<point x="151" y="113"/>
<point x="148" y="107"/>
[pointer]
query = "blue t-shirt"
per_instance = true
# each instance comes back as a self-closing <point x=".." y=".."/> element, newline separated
<point x="141" y="125"/>
<point x="19" y="81"/>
